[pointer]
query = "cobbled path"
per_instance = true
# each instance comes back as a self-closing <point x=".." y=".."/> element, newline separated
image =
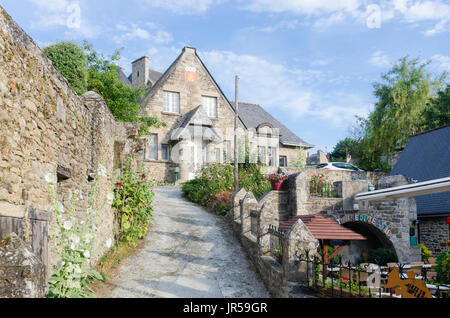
<point x="188" y="253"/>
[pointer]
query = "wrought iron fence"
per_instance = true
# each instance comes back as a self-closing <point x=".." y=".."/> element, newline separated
<point x="338" y="280"/>
<point x="276" y="242"/>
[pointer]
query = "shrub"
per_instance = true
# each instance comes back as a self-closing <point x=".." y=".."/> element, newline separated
<point x="443" y="267"/>
<point x="426" y="253"/>
<point x="215" y="183"/>
<point x="133" y="202"/>
<point x="70" y="60"/>
<point x="382" y="256"/>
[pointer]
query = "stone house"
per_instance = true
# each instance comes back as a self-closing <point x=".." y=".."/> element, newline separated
<point x="317" y="158"/>
<point x="200" y="122"/>
<point x="427" y="157"/>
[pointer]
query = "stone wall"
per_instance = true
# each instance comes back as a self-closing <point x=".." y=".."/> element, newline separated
<point x="45" y="127"/>
<point x="434" y="234"/>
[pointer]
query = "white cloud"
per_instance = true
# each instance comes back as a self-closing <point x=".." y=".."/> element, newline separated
<point x="379" y="59"/>
<point x="442" y="61"/>
<point x="182" y="7"/>
<point x="295" y="91"/>
<point x="134" y="32"/>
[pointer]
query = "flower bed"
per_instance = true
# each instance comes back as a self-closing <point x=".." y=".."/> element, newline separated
<point x="320" y="186"/>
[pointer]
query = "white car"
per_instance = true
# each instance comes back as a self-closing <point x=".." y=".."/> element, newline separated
<point x="338" y="166"/>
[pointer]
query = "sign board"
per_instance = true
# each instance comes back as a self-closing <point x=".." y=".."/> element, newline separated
<point x="407" y="288"/>
<point x="190" y="74"/>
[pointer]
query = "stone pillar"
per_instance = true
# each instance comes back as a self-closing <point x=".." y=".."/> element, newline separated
<point x="22" y="274"/>
<point x="267" y="217"/>
<point x="299" y="194"/>
<point x="350" y="189"/>
<point x="248" y="205"/>
<point x="298" y="241"/>
<point x="183" y="158"/>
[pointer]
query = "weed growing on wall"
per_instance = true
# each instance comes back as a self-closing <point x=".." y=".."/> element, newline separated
<point x="133" y="201"/>
<point x="74" y="240"/>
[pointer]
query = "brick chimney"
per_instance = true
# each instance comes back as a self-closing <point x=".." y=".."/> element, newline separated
<point x="140" y="75"/>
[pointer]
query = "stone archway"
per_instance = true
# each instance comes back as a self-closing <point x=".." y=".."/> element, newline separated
<point x="357" y="251"/>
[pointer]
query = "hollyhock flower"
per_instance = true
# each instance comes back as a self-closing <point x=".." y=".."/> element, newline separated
<point x="143" y="176"/>
<point x="67" y="225"/>
<point x="110" y="198"/>
<point x="50" y="178"/>
<point x="101" y="170"/>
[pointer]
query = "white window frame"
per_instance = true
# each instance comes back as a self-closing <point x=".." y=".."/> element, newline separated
<point x="262" y="155"/>
<point x="168" y="152"/>
<point x="153" y="147"/>
<point x="171" y="102"/>
<point x="272" y="155"/>
<point x="210" y="106"/>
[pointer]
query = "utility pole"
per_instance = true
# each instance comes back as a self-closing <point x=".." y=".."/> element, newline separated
<point x="236" y="146"/>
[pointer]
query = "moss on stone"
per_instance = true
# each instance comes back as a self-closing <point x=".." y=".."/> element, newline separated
<point x="5" y="240"/>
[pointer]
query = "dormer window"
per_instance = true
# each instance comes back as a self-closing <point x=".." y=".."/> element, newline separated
<point x="210" y="106"/>
<point x="171" y="102"/>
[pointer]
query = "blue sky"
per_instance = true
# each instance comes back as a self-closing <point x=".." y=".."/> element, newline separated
<point x="310" y="63"/>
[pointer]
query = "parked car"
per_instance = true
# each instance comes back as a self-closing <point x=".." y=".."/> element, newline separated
<point x="338" y="166"/>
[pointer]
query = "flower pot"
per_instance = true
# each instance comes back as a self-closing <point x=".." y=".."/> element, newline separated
<point x="277" y="185"/>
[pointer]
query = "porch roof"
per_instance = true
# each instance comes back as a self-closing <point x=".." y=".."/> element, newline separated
<point x="322" y="228"/>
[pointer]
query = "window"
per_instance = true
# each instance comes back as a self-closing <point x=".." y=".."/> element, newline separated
<point x="153" y="147"/>
<point x="262" y="154"/>
<point x="165" y="152"/>
<point x="283" y="161"/>
<point x="272" y="152"/>
<point x="217" y="154"/>
<point x="210" y="106"/>
<point x="171" y="102"/>
<point x="227" y="151"/>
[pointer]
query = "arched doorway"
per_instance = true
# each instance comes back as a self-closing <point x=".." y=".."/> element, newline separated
<point x="358" y="251"/>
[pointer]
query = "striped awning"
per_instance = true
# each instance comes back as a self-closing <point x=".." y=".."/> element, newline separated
<point x="322" y="228"/>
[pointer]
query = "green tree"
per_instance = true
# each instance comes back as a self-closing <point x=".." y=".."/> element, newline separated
<point x="70" y="60"/>
<point x="403" y="95"/>
<point x="437" y="113"/>
<point x="122" y="99"/>
<point x="344" y="147"/>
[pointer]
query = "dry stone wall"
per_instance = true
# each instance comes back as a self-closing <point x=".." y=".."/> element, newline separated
<point x="45" y="127"/>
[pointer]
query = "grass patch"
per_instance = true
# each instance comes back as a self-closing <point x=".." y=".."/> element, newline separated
<point x="108" y="266"/>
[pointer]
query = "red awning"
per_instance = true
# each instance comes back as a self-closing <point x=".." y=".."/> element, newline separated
<point x="322" y="228"/>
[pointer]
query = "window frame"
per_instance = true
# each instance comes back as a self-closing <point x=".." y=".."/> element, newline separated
<point x="285" y="161"/>
<point x="170" y="106"/>
<point x="169" y="149"/>
<point x="153" y="147"/>
<point x="206" y="107"/>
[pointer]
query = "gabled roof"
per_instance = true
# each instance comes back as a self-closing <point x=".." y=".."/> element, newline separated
<point x="195" y="122"/>
<point x="427" y="157"/>
<point x="123" y="78"/>
<point x="322" y="228"/>
<point x="254" y="115"/>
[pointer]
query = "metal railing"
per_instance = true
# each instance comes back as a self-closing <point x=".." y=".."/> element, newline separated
<point x="338" y="280"/>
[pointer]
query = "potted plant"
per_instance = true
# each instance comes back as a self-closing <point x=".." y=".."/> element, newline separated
<point x="276" y="180"/>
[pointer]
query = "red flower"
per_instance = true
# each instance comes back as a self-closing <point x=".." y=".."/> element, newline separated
<point x="119" y="184"/>
<point x="143" y="176"/>
<point x="345" y="278"/>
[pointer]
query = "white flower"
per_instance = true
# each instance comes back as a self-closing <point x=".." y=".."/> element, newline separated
<point x="101" y="170"/>
<point x="67" y="225"/>
<point x="88" y="238"/>
<point x="79" y="195"/>
<point x="87" y="254"/>
<point x="73" y="246"/>
<point x="108" y="243"/>
<point x="74" y="238"/>
<point x="50" y="178"/>
<point x="58" y="208"/>
<point x="90" y="212"/>
<point x="110" y="198"/>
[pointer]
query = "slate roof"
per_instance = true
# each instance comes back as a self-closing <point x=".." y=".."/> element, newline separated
<point x="427" y="157"/>
<point x="254" y="115"/>
<point x="123" y="78"/>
